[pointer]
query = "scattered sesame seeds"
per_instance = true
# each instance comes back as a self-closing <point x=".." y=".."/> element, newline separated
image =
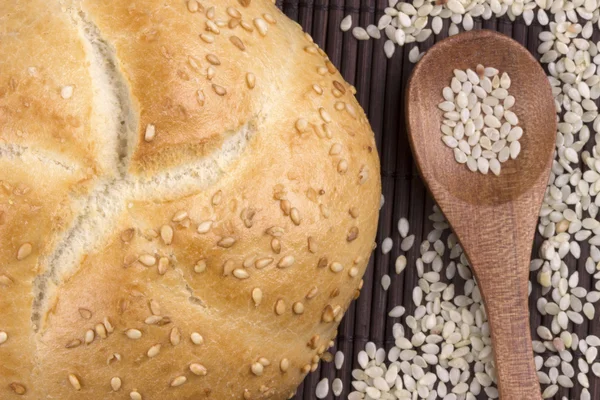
<point x="115" y="383"/>
<point x="301" y="125"/>
<point x="89" y="336"/>
<point x="133" y="334"/>
<point x="261" y="26"/>
<point x="295" y="216"/>
<point x="24" y="251"/>
<point x="286" y="262"/>
<point x="74" y="382"/>
<point x="226" y="242"/>
<point x="257" y="296"/>
<point x="166" y="234"/>
<point x="18" y="388"/>
<point x="241" y="273"/>
<point x="147" y="259"/>
<point x="279" y="307"/>
<point x="135" y="395"/>
<point x="175" y="336"/>
<point x="250" y="80"/>
<point x="200" y="266"/>
<point x="163" y="265"/>
<point x="150" y="133"/>
<point x="154" y="351"/>
<point x="192" y="6"/>
<point x="353" y="272"/>
<point x="3" y="337"/>
<point x="85" y="313"/>
<point x="180" y="380"/>
<point x="263" y="262"/>
<point x="220" y="90"/>
<point x="66" y="92"/>
<point x="336" y="267"/>
<point x="198" y="369"/>
<point x="352" y="234"/>
<point x="257" y="368"/>
<point x="196" y="338"/>
<point x="298" y="308"/>
<point x="180" y="216"/>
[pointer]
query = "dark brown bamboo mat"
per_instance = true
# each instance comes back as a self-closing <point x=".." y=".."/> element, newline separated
<point x="380" y="85"/>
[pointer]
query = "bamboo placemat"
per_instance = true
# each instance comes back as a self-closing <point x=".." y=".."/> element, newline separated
<point x="380" y="85"/>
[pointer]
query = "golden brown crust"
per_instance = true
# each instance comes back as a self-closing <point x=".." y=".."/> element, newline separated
<point x="260" y="256"/>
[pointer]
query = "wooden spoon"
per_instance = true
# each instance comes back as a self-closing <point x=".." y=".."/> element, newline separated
<point x="494" y="217"/>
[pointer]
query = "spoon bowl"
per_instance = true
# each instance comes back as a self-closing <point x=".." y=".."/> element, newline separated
<point x="493" y="217"/>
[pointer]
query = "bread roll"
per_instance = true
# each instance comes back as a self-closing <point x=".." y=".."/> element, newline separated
<point x="189" y="196"/>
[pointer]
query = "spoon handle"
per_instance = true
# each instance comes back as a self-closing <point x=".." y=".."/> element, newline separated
<point x="507" y="309"/>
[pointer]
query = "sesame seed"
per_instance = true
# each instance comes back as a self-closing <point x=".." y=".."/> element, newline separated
<point x="352" y="234"/>
<point x="279" y="307"/>
<point x="337" y="94"/>
<point x="163" y="265"/>
<point x="210" y="13"/>
<point x="180" y="216"/>
<point x="339" y="86"/>
<point x="212" y="27"/>
<point x="263" y="262"/>
<point x="180" y="380"/>
<point x="18" y="388"/>
<point x="327" y="315"/>
<point x="85" y="313"/>
<point x="324" y="211"/>
<point x="204" y="227"/>
<point x="245" y="3"/>
<point x="247" y="26"/>
<point x="324" y="115"/>
<point x="313" y="342"/>
<point x="237" y="42"/>
<point x="286" y="262"/>
<point x="257" y="368"/>
<point x="154" y="351"/>
<point x="228" y="267"/>
<point x="135" y="395"/>
<point x="318" y="89"/>
<point x="233" y="23"/>
<point x="295" y="216"/>
<point x="226" y="242"/>
<point x="275" y="231"/>
<point x="74" y="382"/>
<point x="312" y="245"/>
<point x="175" y="336"/>
<point x="3" y="337"/>
<point x="340" y="105"/>
<point x="250" y="80"/>
<point x="342" y="166"/>
<point x="133" y="334"/>
<point x="261" y="26"/>
<point x="200" y="97"/>
<point x="336" y="267"/>
<point x="89" y="336"/>
<point x="233" y="12"/>
<point x="305" y="369"/>
<point x="154" y="307"/>
<point x="330" y="67"/>
<point x="257" y="296"/>
<point x="207" y="37"/>
<point x="166" y="234"/>
<point x="213" y="59"/>
<point x="147" y="259"/>
<point x="24" y="251"/>
<point x="200" y="266"/>
<point x="101" y="331"/>
<point x="198" y="369"/>
<point x="115" y="383"/>
<point x="241" y="273"/>
<point x="312" y="293"/>
<point x="192" y="6"/>
<point x="276" y="245"/>
<point x="301" y="125"/>
<point x="196" y="338"/>
<point x="311" y="49"/>
<point x="269" y="18"/>
<point x="152" y="320"/>
<point x="150" y="133"/>
<point x="298" y="308"/>
<point x="353" y="272"/>
<point x="322" y="262"/>
<point x="220" y="90"/>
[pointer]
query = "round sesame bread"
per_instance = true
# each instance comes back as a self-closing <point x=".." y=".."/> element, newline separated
<point x="189" y="195"/>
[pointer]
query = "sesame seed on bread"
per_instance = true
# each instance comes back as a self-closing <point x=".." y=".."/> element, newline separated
<point x="189" y="195"/>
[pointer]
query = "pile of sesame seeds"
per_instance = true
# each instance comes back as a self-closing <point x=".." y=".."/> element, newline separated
<point x="446" y="352"/>
<point x="478" y="123"/>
